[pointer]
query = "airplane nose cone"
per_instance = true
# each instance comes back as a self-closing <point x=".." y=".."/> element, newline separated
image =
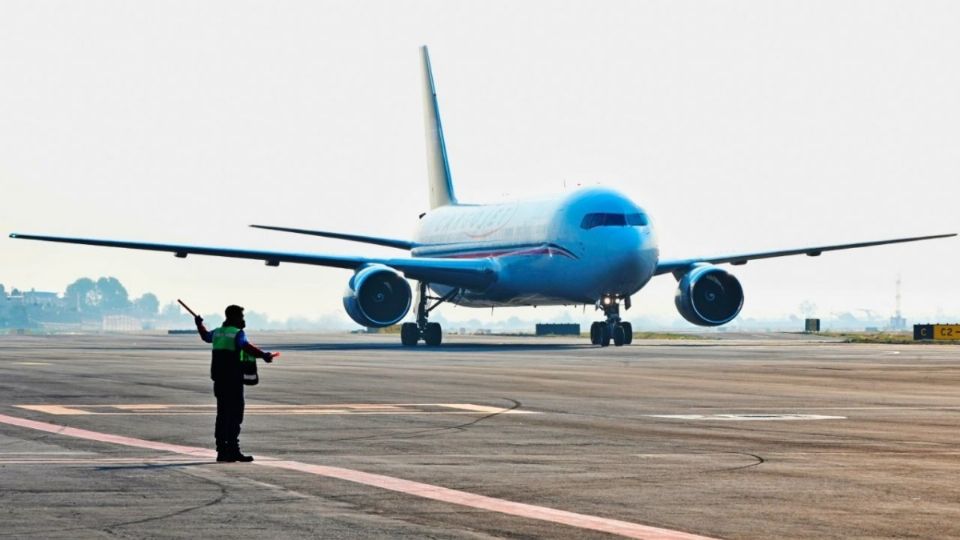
<point x="629" y="270"/>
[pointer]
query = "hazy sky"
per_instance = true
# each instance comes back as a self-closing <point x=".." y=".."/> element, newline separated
<point x="737" y="125"/>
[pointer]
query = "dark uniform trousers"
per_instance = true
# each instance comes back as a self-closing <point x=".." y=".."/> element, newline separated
<point x="230" y="407"/>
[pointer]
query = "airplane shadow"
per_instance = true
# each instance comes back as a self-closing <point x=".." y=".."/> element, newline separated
<point x="423" y="349"/>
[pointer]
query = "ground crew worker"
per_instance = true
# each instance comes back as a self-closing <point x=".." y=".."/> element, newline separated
<point x="230" y="347"/>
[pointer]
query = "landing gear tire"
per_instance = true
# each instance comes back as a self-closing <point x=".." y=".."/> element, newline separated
<point x="432" y="334"/>
<point x="619" y="337"/>
<point x="409" y="334"/>
<point x="595" y="333"/>
<point x="627" y="333"/>
<point x="603" y="334"/>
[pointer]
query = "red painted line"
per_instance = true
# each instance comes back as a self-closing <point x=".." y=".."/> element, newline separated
<point x="107" y="437"/>
<point x="417" y="489"/>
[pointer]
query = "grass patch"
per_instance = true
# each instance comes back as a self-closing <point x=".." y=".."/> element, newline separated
<point x="892" y="338"/>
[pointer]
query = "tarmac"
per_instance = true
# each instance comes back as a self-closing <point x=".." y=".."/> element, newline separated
<point x="751" y="436"/>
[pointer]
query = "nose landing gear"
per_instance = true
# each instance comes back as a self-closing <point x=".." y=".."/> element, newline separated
<point x="621" y="332"/>
<point x="430" y="333"/>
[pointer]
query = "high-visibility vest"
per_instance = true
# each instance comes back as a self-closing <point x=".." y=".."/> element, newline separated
<point x="230" y="362"/>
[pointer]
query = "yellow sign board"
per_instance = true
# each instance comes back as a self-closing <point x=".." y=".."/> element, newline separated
<point x="936" y="332"/>
<point x="946" y="331"/>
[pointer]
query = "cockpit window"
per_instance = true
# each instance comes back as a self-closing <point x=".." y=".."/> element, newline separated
<point x="604" y="219"/>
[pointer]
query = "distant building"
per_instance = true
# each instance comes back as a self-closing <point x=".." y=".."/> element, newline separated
<point x="40" y="298"/>
<point x="560" y="329"/>
<point x="121" y="323"/>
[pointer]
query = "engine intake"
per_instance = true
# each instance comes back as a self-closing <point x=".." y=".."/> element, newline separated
<point x="709" y="296"/>
<point x="377" y="296"/>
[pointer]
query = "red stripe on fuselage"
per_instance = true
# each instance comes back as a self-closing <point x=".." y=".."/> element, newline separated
<point x="507" y="253"/>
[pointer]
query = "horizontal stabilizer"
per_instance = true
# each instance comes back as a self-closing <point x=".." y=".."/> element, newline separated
<point x="389" y="242"/>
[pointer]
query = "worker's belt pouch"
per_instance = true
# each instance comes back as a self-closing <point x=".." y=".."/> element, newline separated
<point x="249" y="370"/>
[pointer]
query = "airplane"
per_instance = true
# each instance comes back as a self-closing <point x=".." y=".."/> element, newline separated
<point x="593" y="246"/>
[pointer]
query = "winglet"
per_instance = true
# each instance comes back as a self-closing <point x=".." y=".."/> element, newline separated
<point x="438" y="168"/>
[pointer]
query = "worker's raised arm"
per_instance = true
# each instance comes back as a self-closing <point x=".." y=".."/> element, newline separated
<point x="205" y="334"/>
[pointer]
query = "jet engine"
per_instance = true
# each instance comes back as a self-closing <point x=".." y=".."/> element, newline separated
<point x="708" y="296"/>
<point x="377" y="296"/>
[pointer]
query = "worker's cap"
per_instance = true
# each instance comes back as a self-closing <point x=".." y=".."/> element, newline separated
<point x="233" y="312"/>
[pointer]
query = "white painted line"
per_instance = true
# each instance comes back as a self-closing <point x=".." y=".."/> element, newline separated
<point x="427" y="491"/>
<point x="747" y="417"/>
<point x="481" y="408"/>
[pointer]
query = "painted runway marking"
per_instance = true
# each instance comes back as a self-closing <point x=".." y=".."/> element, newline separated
<point x="746" y="417"/>
<point x="32" y="363"/>
<point x="427" y="491"/>
<point x="100" y="461"/>
<point x="157" y="409"/>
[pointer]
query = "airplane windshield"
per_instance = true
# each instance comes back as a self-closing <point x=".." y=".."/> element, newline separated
<point x="605" y="219"/>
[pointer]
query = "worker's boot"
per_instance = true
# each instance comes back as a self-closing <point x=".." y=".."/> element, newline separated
<point x="238" y="456"/>
<point x="224" y="452"/>
<point x="231" y="453"/>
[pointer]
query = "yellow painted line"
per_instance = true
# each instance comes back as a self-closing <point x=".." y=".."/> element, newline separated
<point x="32" y="363"/>
<point x="54" y="409"/>
<point x="142" y="406"/>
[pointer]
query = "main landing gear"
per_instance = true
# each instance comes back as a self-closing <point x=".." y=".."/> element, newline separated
<point x="621" y="332"/>
<point x="429" y="332"/>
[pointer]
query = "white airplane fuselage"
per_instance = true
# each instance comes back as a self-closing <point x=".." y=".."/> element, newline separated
<point x="548" y="250"/>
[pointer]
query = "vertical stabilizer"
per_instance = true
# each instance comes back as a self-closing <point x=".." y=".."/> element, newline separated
<point x="438" y="168"/>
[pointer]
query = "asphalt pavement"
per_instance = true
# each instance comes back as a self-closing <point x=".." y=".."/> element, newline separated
<point x="106" y="436"/>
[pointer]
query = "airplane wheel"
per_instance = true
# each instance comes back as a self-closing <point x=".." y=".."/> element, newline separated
<point x="409" y="334"/>
<point x="595" y="333"/>
<point x="432" y="335"/>
<point x="603" y="334"/>
<point x="627" y="333"/>
<point x="619" y="337"/>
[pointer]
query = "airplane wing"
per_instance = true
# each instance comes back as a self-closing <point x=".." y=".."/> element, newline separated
<point x="466" y="273"/>
<point x="681" y="265"/>
<point x="389" y="242"/>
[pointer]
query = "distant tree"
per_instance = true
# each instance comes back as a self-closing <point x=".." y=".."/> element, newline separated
<point x="170" y="311"/>
<point x="147" y="304"/>
<point x="3" y="292"/>
<point x="81" y="294"/>
<point x="256" y="320"/>
<point x="112" y="293"/>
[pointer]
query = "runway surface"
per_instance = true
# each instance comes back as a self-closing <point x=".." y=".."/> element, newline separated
<point x="110" y="436"/>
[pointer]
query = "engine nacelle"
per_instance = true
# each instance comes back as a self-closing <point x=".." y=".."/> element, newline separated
<point x="377" y="296"/>
<point x="709" y="296"/>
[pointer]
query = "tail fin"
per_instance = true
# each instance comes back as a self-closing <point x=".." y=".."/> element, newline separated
<point x="438" y="168"/>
